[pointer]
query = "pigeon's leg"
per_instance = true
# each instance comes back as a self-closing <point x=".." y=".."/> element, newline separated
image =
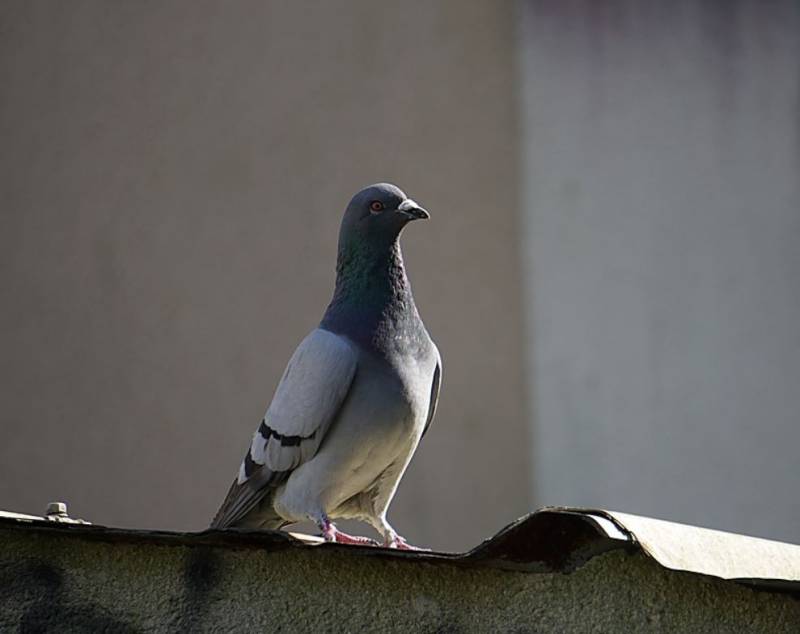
<point x="393" y="540"/>
<point x="332" y="534"/>
<point x="390" y="537"/>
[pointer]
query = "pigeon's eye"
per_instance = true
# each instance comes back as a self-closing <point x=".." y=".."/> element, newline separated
<point x="376" y="206"/>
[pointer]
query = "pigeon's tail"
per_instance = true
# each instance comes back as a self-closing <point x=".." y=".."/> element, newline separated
<point x="232" y="514"/>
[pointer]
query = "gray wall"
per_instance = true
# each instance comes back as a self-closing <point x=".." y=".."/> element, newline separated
<point x="662" y="224"/>
<point x="171" y="183"/>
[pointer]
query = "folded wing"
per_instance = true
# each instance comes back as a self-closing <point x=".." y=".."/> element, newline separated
<point x="307" y="400"/>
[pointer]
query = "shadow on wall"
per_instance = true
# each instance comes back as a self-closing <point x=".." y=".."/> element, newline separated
<point x="50" y="606"/>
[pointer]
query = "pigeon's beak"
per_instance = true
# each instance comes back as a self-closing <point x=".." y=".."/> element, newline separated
<point x="412" y="210"/>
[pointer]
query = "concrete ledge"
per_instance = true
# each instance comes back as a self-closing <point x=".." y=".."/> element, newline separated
<point x="553" y="571"/>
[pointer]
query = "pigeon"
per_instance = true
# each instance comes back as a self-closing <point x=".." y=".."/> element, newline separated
<point x="357" y="395"/>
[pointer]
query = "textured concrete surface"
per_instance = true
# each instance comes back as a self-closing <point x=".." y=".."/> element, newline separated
<point x="172" y="179"/>
<point x="68" y="580"/>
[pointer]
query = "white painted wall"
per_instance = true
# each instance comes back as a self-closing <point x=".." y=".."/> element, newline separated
<point x="662" y="254"/>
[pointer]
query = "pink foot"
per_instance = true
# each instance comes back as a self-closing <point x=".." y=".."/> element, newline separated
<point x="334" y="535"/>
<point x="395" y="541"/>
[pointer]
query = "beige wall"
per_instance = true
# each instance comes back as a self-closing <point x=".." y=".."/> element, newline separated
<point x="172" y="178"/>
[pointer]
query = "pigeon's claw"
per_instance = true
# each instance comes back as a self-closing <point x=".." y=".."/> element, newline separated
<point x="394" y="540"/>
<point x="333" y="535"/>
<point x="357" y="540"/>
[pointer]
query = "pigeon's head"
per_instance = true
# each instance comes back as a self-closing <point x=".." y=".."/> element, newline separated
<point x="379" y="212"/>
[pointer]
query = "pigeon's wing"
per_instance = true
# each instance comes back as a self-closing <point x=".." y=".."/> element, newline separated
<point x="306" y="401"/>
<point x="435" y="385"/>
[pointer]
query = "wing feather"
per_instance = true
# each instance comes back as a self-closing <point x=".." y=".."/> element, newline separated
<point x="307" y="399"/>
<point x="435" y="386"/>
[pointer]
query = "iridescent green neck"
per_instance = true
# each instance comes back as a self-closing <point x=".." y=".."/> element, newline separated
<point x="372" y="295"/>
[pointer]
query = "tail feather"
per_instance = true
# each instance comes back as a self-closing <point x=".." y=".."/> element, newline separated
<point x="247" y="507"/>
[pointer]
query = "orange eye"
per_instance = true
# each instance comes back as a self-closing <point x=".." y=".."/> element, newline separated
<point x="375" y="206"/>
